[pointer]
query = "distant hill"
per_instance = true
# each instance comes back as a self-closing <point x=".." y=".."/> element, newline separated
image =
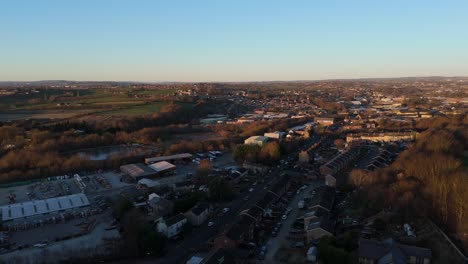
<point x="64" y="83"/>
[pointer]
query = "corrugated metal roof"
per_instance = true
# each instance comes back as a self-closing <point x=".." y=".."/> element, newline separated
<point x="31" y="208"/>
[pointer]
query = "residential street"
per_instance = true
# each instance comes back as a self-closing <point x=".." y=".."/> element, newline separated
<point x="179" y="253"/>
<point x="276" y="242"/>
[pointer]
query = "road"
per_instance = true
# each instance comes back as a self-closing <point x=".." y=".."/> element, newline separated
<point x="202" y="234"/>
<point x="277" y="242"/>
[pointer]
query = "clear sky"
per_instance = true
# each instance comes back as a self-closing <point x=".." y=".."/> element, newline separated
<point x="224" y="40"/>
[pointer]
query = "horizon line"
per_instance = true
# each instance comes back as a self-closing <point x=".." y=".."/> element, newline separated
<point x="256" y="81"/>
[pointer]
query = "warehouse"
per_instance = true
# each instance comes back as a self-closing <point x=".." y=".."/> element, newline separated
<point x="41" y="207"/>
<point x="275" y="135"/>
<point x="183" y="157"/>
<point x="162" y="167"/>
<point x="256" y="140"/>
<point x="325" y="121"/>
<point x="138" y="171"/>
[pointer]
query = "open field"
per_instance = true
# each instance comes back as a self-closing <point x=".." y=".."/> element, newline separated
<point x="155" y="92"/>
<point x="60" y="104"/>
<point x="145" y="109"/>
<point x="41" y="114"/>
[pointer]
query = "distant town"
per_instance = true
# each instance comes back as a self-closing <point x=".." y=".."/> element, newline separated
<point x="332" y="171"/>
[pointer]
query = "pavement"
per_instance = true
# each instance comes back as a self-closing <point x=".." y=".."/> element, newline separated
<point x="280" y="240"/>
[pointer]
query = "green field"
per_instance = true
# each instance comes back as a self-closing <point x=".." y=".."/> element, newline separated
<point x="62" y="103"/>
<point x="146" y="109"/>
<point x="155" y="92"/>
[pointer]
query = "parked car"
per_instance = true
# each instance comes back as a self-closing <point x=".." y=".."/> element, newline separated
<point x="225" y="210"/>
<point x="284" y="217"/>
<point x="210" y="223"/>
<point x="261" y="256"/>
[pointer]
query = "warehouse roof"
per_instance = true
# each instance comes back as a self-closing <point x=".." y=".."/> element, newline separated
<point x="137" y="170"/>
<point x="31" y="208"/>
<point x="162" y="166"/>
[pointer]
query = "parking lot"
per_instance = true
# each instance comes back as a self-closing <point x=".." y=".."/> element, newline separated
<point x="85" y="245"/>
<point x="38" y="191"/>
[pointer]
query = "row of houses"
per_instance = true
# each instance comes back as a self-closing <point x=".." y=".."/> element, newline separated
<point x="173" y="226"/>
<point x="381" y="136"/>
<point x="244" y="229"/>
<point x="381" y="158"/>
<point x="317" y="221"/>
<point x="339" y="163"/>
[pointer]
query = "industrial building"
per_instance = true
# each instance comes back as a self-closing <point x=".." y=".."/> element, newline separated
<point x="213" y="119"/>
<point x="138" y="171"/>
<point x="324" y="121"/>
<point x="275" y="135"/>
<point x="162" y="167"/>
<point x="40" y="207"/>
<point x="183" y="157"/>
<point x="256" y="140"/>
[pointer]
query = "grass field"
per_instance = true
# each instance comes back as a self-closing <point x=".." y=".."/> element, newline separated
<point x="155" y="92"/>
<point x="145" y="109"/>
<point x="40" y="114"/>
<point x="115" y="102"/>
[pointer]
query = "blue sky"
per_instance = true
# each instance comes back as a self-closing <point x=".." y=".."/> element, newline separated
<point x="238" y="40"/>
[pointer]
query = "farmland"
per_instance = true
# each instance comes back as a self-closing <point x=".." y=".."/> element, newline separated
<point x="62" y="104"/>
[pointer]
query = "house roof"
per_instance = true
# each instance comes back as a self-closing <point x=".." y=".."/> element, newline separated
<point x="226" y="256"/>
<point x="155" y="199"/>
<point x="175" y="219"/>
<point x="317" y="212"/>
<point x="281" y="184"/>
<point x="199" y="208"/>
<point x="324" y="197"/>
<point x="240" y="228"/>
<point x="322" y="223"/>
<point x="183" y="183"/>
<point x="375" y="249"/>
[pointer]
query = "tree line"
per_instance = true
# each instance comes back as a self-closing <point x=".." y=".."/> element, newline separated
<point x="429" y="179"/>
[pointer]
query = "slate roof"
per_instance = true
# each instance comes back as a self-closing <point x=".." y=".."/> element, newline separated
<point x="240" y="228"/>
<point x="323" y="223"/>
<point x="200" y="208"/>
<point x="375" y="249"/>
<point x="175" y="219"/>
